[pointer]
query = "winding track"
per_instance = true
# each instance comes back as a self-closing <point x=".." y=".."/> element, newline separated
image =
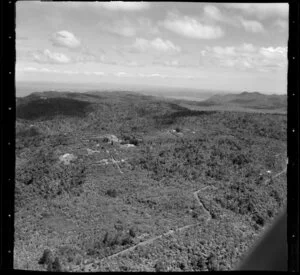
<point x="277" y="175"/>
<point x="170" y="232"/>
<point x="93" y="266"/>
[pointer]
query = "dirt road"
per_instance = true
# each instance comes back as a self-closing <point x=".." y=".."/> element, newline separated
<point x="94" y="266"/>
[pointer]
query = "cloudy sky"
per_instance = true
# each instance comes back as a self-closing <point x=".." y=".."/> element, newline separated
<point x="196" y="45"/>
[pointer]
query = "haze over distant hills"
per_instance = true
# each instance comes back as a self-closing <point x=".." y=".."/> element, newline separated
<point x="26" y="88"/>
<point x="254" y="100"/>
<point x="244" y="102"/>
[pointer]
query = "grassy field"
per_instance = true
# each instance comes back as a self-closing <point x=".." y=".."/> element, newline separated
<point x="137" y="187"/>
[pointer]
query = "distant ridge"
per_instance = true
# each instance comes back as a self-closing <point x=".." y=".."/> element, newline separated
<point x="49" y="104"/>
<point x="251" y="100"/>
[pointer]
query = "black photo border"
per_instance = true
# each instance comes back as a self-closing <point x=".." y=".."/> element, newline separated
<point x="8" y="118"/>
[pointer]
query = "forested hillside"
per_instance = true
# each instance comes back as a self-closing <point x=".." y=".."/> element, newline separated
<point x="181" y="189"/>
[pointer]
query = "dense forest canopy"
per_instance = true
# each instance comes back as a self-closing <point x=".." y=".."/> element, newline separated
<point x="100" y="173"/>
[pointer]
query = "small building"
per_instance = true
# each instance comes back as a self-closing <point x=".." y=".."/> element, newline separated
<point x="67" y="158"/>
<point x="110" y="138"/>
<point x="128" y="145"/>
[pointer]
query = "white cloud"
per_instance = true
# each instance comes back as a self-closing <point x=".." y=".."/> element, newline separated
<point x="65" y="39"/>
<point x="230" y="50"/>
<point x="84" y="73"/>
<point x="153" y="75"/>
<point x="50" y="57"/>
<point x="224" y="50"/>
<point x="121" y="27"/>
<point x="188" y="77"/>
<point x="131" y="63"/>
<point x="68" y="5"/>
<point x="87" y="73"/>
<point x="100" y="6"/>
<point x="125" y="6"/>
<point x="157" y="44"/>
<point x="252" y="25"/>
<point x="70" y="72"/>
<point x="98" y="73"/>
<point x="191" y="27"/>
<point x="274" y="53"/>
<point x="281" y="24"/>
<point x="164" y="76"/>
<point x="164" y="45"/>
<point x="246" y="56"/>
<point x="129" y="28"/>
<point x="45" y="70"/>
<point x="213" y="13"/>
<point x="167" y="63"/>
<point x="42" y="70"/>
<point x="123" y="74"/>
<point x="262" y="10"/>
<point x="248" y="47"/>
<point x="117" y="61"/>
<point x="145" y="25"/>
<point x="118" y="74"/>
<point x="172" y="63"/>
<point x="157" y="75"/>
<point x="47" y="56"/>
<point x="29" y="69"/>
<point x="85" y="57"/>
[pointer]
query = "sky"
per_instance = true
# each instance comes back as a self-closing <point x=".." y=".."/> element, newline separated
<point x="198" y="45"/>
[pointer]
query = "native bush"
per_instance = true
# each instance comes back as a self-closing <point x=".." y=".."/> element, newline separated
<point x="212" y="264"/>
<point x="112" y="193"/>
<point x="160" y="266"/>
<point x="55" y="266"/>
<point x="46" y="258"/>
<point x="198" y="264"/>
<point x="258" y="219"/>
<point x="132" y="232"/>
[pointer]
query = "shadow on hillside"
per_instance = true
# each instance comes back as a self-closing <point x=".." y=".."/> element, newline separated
<point x="51" y="107"/>
<point x="206" y="103"/>
<point x="171" y="118"/>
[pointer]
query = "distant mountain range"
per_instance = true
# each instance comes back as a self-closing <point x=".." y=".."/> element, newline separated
<point x="251" y="100"/>
<point x="42" y="96"/>
<point x="53" y="102"/>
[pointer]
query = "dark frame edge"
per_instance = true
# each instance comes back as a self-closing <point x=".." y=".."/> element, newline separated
<point x="293" y="137"/>
<point x="7" y="138"/>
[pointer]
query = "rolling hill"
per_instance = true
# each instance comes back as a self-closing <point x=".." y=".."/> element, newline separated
<point x="248" y="100"/>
